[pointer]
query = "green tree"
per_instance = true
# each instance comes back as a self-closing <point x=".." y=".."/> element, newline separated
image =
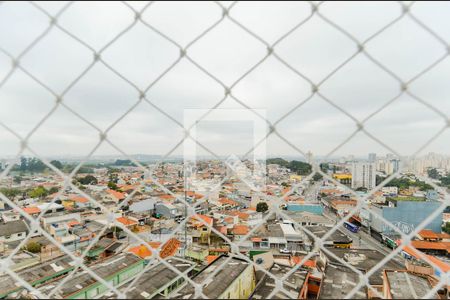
<point x="446" y="228"/>
<point x="445" y="181"/>
<point x="34" y="247"/>
<point x="57" y="164"/>
<point x="53" y="190"/>
<point x="262" y="207"/>
<point x="277" y="161"/>
<point x="123" y="162"/>
<point x="433" y="173"/>
<point x="38" y="192"/>
<point x="112" y="186"/>
<point x="317" y="177"/>
<point x="10" y="192"/>
<point x="299" y="167"/>
<point x="17" y="179"/>
<point x="88" y="179"/>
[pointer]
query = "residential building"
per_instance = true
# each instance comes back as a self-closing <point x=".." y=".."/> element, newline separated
<point x="13" y="231"/>
<point x="236" y="280"/>
<point x="363" y="175"/>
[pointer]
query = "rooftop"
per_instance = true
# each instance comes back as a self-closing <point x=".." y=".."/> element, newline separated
<point x="103" y="269"/>
<point x="338" y="282"/>
<point x="157" y="277"/>
<point x="365" y="259"/>
<point x="292" y="285"/>
<point x="336" y="237"/>
<point x="33" y="274"/>
<point x="219" y="282"/>
<point x="13" y="227"/>
<point x="404" y="285"/>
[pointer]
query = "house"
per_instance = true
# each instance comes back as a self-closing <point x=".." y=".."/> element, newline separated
<point x="406" y="285"/>
<point x="143" y="206"/>
<point x="9" y="216"/>
<point x="32" y="210"/>
<point x="364" y="260"/>
<point x="166" y="210"/>
<point x="226" y="204"/>
<point x="236" y="280"/>
<point x="336" y="240"/>
<point x="159" y="281"/>
<point x="294" y="286"/>
<point x="38" y="274"/>
<point x="75" y="201"/>
<point x="13" y="231"/>
<point x="129" y="222"/>
<point x="338" y="281"/>
<point x="50" y="208"/>
<point x="200" y="232"/>
<point x="113" y="195"/>
<point x="118" y="269"/>
<point x="239" y="231"/>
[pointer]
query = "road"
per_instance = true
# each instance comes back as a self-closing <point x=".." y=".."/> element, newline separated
<point x="311" y="192"/>
<point x="362" y="239"/>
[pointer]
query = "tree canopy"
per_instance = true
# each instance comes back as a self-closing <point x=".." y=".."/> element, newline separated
<point x="299" y="167"/>
<point x="262" y="207"/>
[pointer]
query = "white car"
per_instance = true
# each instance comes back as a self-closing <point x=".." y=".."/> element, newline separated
<point x="285" y="250"/>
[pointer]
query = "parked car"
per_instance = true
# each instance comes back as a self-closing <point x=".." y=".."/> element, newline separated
<point x="285" y="250"/>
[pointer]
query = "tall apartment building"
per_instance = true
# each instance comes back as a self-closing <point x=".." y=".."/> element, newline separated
<point x="391" y="166"/>
<point x="363" y="175"/>
<point x="372" y="157"/>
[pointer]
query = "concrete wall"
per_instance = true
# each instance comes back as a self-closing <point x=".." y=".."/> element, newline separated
<point x="242" y="286"/>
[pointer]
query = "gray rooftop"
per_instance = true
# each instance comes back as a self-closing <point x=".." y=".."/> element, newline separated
<point x="13" y="227"/>
<point x="365" y="259"/>
<point x="404" y="285"/>
<point x="30" y="275"/>
<point x="304" y="216"/>
<point x="217" y="284"/>
<point x="103" y="269"/>
<point x="157" y="278"/>
<point x="336" y="237"/>
<point x="338" y="282"/>
<point x="292" y="285"/>
<point x="144" y="205"/>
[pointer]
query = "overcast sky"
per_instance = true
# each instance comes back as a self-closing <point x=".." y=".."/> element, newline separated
<point x="141" y="55"/>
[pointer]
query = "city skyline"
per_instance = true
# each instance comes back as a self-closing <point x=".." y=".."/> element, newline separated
<point x="102" y="97"/>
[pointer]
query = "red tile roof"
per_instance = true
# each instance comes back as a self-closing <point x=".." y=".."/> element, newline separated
<point x="31" y="210"/>
<point x="116" y="194"/>
<point x="431" y="245"/>
<point x="207" y="219"/>
<point x="225" y="201"/>
<point x="428" y="234"/>
<point x="79" y="199"/>
<point x="167" y="197"/>
<point x="241" y="215"/>
<point x="142" y="251"/>
<point x="73" y="223"/>
<point x="211" y="258"/>
<point x="126" y="221"/>
<point x="194" y="194"/>
<point x="240" y="229"/>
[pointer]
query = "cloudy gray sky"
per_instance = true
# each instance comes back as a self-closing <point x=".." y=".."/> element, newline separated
<point x="141" y="55"/>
